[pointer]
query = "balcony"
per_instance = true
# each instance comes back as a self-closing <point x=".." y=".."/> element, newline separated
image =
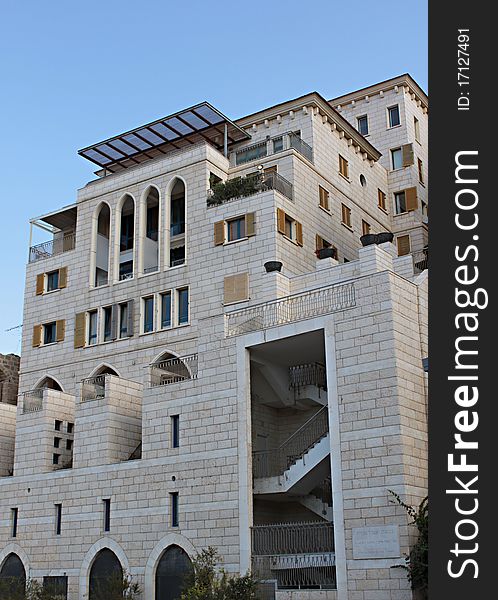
<point x="53" y="247"/>
<point x="242" y="187"/>
<point x="271" y="146"/>
<point x="32" y="401"/>
<point x="295" y="555"/>
<point x="420" y="260"/>
<point x="290" y="309"/>
<point x="93" y="388"/>
<point x="174" y="370"/>
<point x="310" y="374"/>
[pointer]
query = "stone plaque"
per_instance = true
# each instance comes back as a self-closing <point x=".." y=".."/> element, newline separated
<point x="376" y="542"/>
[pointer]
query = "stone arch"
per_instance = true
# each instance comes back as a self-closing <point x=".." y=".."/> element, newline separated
<point x="104" y="368"/>
<point x="176" y="222"/>
<point x="151" y="231"/>
<point x="50" y="382"/>
<point x="125" y="238"/>
<point x="13" y="566"/>
<point x="91" y="556"/>
<point x="101" y="245"/>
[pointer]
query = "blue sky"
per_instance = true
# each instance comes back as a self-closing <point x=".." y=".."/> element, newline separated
<point x="73" y="73"/>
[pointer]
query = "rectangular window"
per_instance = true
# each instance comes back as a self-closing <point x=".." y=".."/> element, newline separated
<point x="58" y="425"/>
<point x="57" y="441"/>
<point x="92" y="327"/>
<point x="399" y="203"/>
<point x="251" y="153"/>
<point x="177" y="216"/>
<point x="107" y="514"/>
<point x="49" y="333"/>
<point x="174" y="509"/>
<point x="403" y="242"/>
<point x="55" y="586"/>
<point x="420" y="171"/>
<point x="236" y="229"/>
<point x="165" y="310"/>
<point x="424" y="208"/>
<point x="55" y="459"/>
<point x="183" y="306"/>
<point x="416" y="126"/>
<point x="289" y="227"/>
<point x="382" y="199"/>
<point x="365" y="227"/>
<point x="14" y="514"/>
<point x="69" y="444"/>
<point x="52" y="281"/>
<point x="123" y="320"/>
<point x="324" y="198"/>
<point x="58" y="519"/>
<point x="346" y="215"/>
<point x="343" y="167"/>
<point x="363" y="124"/>
<point x="107" y="323"/>
<point x="148" y="308"/>
<point x="70" y="427"/>
<point x="175" y="431"/>
<point x="278" y="144"/>
<point x="396" y="159"/>
<point x="394" y="119"/>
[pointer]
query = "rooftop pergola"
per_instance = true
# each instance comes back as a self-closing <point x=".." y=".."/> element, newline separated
<point x="180" y="130"/>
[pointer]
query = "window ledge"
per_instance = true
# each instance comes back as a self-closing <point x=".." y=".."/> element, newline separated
<point x="326" y="210"/>
<point x="382" y="209"/>
<point x="242" y="239"/>
<point x="120" y="281"/>
<point x="290" y="240"/>
<point x="344" y="177"/>
<point x="99" y="287"/>
<point x="176" y="266"/>
<point x="402" y="213"/>
<point x="347" y="226"/>
<point x="51" y="291"/>
<point x="393" y="126"/>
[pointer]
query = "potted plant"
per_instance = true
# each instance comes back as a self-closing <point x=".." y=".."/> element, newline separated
<point x="326" y="253"/>
<point x="368" y="239"/>
<point x="384" y="237"/>
<point x="273" y="265"/>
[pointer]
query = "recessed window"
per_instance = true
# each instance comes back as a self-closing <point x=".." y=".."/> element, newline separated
<point x="55" y="586"/>
<point x="363" y="124"/>
<point x="148" y="314"/>
<point x="346" y="215"/>
<point x="416" y="126"/>
<point x="55" y="459"/>
<point x="58" y="519"/>
<point x="278" y="144"/>
<point x="324" y="197"/>
<point x="69" y="444"/>
<point x="70" y="427"/>
<point x="175" y="431"/>
<point x="53" y="281"/>
<point x="363" y="181"/>
<point x="14" y="514"/>
<point x="420" y="170"/>
<point x="165" y="310"/>
<point x="399" y="203"/>
<point x="393" y="114"/>
<point x="343" y="167"/>
<point x="381" y="198"/>
<point x="290" y="227"/>
<point x="123" y="320"/>
<point x="236" y="229"/>
<point x="366" y="228"/>
<point x="183" y="306"/>
<point x="107" y="514"/>
<point x="177" y="255"/>
<point x="396" y="159"/>
<point x="57" y="441"/>
<point x="424" y="208"/>
<point x="92" y="327"/>
<point x="58" y="425"/>
<point x="49" y="333"/>
<point x="174" y="509"/>
<point x="107" y="323"/>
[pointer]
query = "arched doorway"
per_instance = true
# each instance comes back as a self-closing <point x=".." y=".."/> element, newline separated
<point x="172" y="574"/>
<point x="106" y="577"/>
<point x="177" y="224"/>
<point x="126" y="237"/>
<point x="101" y="246"/>
<point x="12" y="576"/>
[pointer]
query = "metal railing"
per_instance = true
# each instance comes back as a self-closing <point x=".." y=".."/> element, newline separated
<point x="293" y="538"/>
<point x="293" y="308"/>
<point x="271" y="463"/>
<point x="420" y="260"/>
<point x="301" y="572"/>
<point x="58" y="245"/>
<point x="173" y="370"/>
<point x="93" y="388"/>
<point x="270" y="146"/>
<point x="243" y="187"/>
<point x="301" y="146"/>
<point x="32" y="401"/>
<point x="309" y="374"/>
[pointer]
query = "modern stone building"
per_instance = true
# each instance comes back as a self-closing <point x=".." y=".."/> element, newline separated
<point x="178" y="390"/>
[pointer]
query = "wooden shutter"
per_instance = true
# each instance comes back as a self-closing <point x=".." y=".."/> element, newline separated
<point x="403" y="245"/>
<point x="411" y="199"/>
<point x="131" y="321"/>
<point x="318" y="242"/>
<point x="382" y="199"/>
<point x="299" y="233"/>
<point x="219" y="233"/>
<point x="60" y="330"/>
<point x="37" y="335"/>
<point x="250" y="224"/>
<point x="236" y="288"/>
<point x="40" y="284"/>
<point x="407" y="152"/>
<point x="280" y="221"/>
<point x="62" y="277"/>
<point x="79" y="330"/>
<point x="324" y="198"/>
<point x="114" y="321"/>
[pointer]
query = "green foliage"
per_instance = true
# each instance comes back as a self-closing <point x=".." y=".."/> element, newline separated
<point x="15" y="589"/>
<point x="238" y="187"/>
<point x="417" y="562"/>
<point x="210" y="583"/>
<point x="116" y="587"/>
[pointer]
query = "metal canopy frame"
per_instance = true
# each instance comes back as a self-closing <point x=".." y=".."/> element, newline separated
<point x="176" y="131"/>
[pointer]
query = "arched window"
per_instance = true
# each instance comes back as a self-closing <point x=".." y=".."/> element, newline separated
<point x="106" y="576"/>
<point x="177" y="224"/>
<point x="12" y="577"/>
<point x="102" y="246"/>
<point x="105" y="370"/>
<point x="49" y="383"/>
<point x="126" y="238"/>
<point x="151" y="233"/>
<point x="173" y="572"/>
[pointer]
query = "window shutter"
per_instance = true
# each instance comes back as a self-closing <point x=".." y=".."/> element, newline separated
<point x="37" y="335"/>
<point x="40" y="284"/>
<point x="403" y="245"/>
<point x="219" y="233"/>
<point x="407" y="151"/>
<point x="130" y="324"/>
<point x="79" y="330"/>
<point x="114" y="321"/>
<point x="411" y="198"/>
<point x="324" y="198"/>
<point x="319" y="242"/>
<point x="236" y="288"/>
<point x="63" y="277"/>
<point x="299" y="233"/>
<point x="250" y="224"/>
<point x="280" y="221"/>
<point x="60" y="330"/>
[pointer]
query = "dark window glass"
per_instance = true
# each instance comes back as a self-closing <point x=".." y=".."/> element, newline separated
<point x="166" y="310"/>
<point x="178" y="215"/>
<point x="13" y="574"/>
<point x="69" y="444"/>
<point x="126" y="270"/>
<point x="55" y="459"/>
<point x="127" y="232"/>
<point x="183" y="306"/>
<point x="70" y="427"/>
<point x="400" y="202"/>
<point x="14" y="516"/>
<point x="152" y="223"/>
<point x="105" y="572"/>
<point x="236" y="229"/>
<point x="394" y="116"/>
<point x="174" y="509"/>
<point x="107" y="514"/>
<point x="52" y="281"/>
<point x="123" y="320"/>
<point x="56" y="586"/>
<point x="107" y="323"/>
<point x="148" y="314"/>
<point x="173" y="570"/>
<point x="57" y="441"/>
<point x="177" y="256"/>
<point x="175" y="431"/>
<point x="49" y="333"/>
<point x="58" y="519"/>
<point x="92" y="327"/>
<point x="363" y="125"/>
<point x="278" y="144"/>
<point x="58" y="425"/>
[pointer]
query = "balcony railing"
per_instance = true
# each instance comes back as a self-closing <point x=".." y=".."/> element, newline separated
<point x="173" y="370"/>
<point x="421" y="260"/>
<point x="242" y="187"/>
<point x="271" y="146"/>
<point x="32" y="401"/>
<point x="272" y="463"/>
<point x="290" y="309"/>
<point x="93" y="388"/>
<point x="53" y="247"/>
<point x="310" y="374"/>
<point x="293" y="538"/>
